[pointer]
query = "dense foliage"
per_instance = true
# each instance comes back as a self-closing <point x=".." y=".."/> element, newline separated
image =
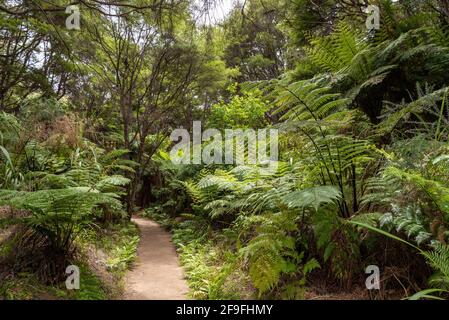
<point x="363" y="115"/>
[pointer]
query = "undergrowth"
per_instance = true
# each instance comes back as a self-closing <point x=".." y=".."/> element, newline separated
<point x="213" y="270"/>
<point x="104" y="254"/>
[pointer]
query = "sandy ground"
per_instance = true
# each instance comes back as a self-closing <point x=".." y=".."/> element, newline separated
<point x="156" y="275"/>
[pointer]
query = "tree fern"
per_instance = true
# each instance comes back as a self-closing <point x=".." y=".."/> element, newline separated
<point x="272" y="252"/>
<point x="57" y="214"/>
<point x="334" y="53"/>
<point x="431" y="102"/>
<point x="312" y="197"/>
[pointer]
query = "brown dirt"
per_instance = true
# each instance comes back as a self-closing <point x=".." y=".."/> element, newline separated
<point x="157" y="274"/>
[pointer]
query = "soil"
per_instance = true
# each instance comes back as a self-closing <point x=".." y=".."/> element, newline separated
<point x="156" y="275"/>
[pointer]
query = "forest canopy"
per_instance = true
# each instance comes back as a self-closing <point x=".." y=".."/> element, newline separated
<point x="91" y="93"/>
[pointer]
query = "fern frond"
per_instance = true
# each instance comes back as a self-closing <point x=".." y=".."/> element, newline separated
<point x="312" y="197"/>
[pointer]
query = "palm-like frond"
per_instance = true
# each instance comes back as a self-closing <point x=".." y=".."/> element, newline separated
<point x="312" y="197"/>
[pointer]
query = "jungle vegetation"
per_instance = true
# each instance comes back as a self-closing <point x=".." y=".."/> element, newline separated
<point x="363" y="171"/>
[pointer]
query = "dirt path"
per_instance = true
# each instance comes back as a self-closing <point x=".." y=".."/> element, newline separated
<point x="156" y="274"/>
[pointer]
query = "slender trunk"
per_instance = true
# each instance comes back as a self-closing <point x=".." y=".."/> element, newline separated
<point x="355" y="205"/>
<point x="125" y="109"/>
<point x="132" y="192"/>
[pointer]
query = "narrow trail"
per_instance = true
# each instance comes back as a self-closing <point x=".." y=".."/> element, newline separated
<point x="156" y="275"/>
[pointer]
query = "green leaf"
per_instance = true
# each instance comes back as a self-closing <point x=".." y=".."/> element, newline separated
<point x="6" y="155"/>
<point x="312" y="197"/>
<point x="425" y="294"/>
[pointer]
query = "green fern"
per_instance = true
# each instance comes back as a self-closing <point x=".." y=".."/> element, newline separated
<point x="272" y="252"/>
<point x="57" y="214"/>
<point x="439" y="260"/>
<point x="312" y="197"/>
<point x="408" y="220"/>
